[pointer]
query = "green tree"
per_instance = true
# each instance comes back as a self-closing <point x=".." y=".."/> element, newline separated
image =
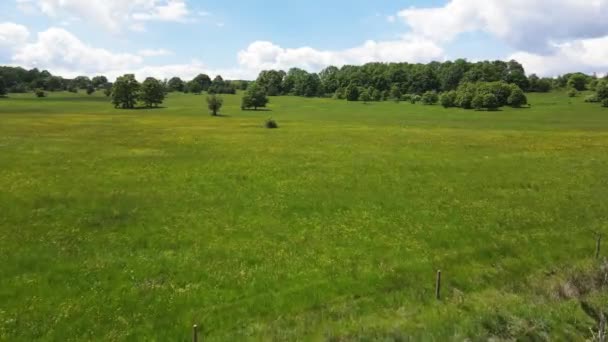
<point x="90" y="89"/>
<point x="195" y="87"/>
<point x="572" y="92"/>
<point x="54" y="83"/>
<point x="270" y="82"/>
<point x="376" y="95"/>
<point x="203" y="80"/>
<point x="517" y="98"/>
<point x="490" y="102"/>
<point x="214" y="103"/>
<point x="448" y="99"/>
<point x="82" y="82"/>
<point x="125" y="92"/>
<point x="152" y="92"/>
<point x="99" y="81"/>
<point x="577" y="81"/>
<point x="39" y="92"/>
<point x="430" y="98"/>
<point x="254" y="97"/>
<point x="602" y="90"/>
<point x="176" y="84"/>
<point x="477" y="102"/>
<point x="352" y="93"/>
<point x="3" y="88"/>
<point x="396" y="93"/>
<point x="365" y="96"/>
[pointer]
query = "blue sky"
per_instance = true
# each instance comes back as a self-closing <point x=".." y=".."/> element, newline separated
<point x="239" y="38"/>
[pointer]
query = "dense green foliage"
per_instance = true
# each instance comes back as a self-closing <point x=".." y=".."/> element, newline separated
<point x="125" y="92"/>
<point x="214" y="103"/>
<point x="392" y="78"/>
<point x="219" y="86"/>
<point x="152" y="92"/>
<point x="254" y="97"/>
<point x="3" y="88"/>
<point x="131" y="226"/>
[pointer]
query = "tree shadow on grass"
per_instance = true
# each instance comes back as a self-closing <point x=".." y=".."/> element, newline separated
<point x="256" y="110"/>
<point x="146" y="108"/>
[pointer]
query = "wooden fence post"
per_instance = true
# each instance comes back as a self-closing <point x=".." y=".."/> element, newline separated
<point x="195" y="333"/>
<point x="438" y="286"/>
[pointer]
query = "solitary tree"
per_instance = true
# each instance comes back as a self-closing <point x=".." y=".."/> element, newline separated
<point x="254" y="97"/>
<point x="214" y="103"/>
<point x="90" y="89"/>
<point x="125" y="92"/>
<point x="152" y="92"/>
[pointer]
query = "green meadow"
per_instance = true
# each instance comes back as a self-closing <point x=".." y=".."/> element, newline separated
<point x="133" y="225"/>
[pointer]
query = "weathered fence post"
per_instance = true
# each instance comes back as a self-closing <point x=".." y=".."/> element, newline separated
<point x="438" y="286"/>
<point x="195" y="333"/>
<point x="598" y="246"/>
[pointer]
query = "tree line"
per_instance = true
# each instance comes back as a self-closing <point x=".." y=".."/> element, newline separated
<point x="20" y="80"/>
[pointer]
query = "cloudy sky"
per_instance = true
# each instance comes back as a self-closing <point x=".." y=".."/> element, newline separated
<point x="238" y="38"/>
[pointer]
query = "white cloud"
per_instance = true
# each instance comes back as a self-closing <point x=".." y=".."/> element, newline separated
<point x="262" y="55"/>
<point x="12" y="35"/>
<point x="526" y="25"/>
<point x="112" y="15"/>
<point x="173" y="10"/>
<point x="58" y="49"/>
<point x="586" y="55"/>
<point x="154" y="52"/>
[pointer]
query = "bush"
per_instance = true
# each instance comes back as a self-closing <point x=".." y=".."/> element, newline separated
<point x="572" y="93"/>
<point x="448" y="99"/>
<point x="214" y="103"/>
<point x="365" y="96"/>
<point x="490" y="102"/>
<point x="271" y="124"/>
<point x="592" y="99"/>
<point x="352" y="93"/>
<point x="415" y="99"/>
<point x="376" y="95"/>
<point x="517" y="98"/>
<point x="39" y="93"/>
<point x="477" y="102"/>
<point x="430" y="98"/>
<point x="605" y="103"/>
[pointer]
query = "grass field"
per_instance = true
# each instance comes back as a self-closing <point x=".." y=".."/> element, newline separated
<point x="134" y="225"/>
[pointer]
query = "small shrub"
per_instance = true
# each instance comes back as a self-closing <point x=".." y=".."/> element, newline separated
<point x="415" y="99"/>
<point x="517" y="98"/>
<point x="605" y="103"/>
<point x="39" y="93"/>
<point x="448" y="99"/>
<point x="572" y="93"/>
<point x="214" y="103"/>
<point x="271" y="124"/>
<point x="592" y="99"/>
<point x="430" y="98"/>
